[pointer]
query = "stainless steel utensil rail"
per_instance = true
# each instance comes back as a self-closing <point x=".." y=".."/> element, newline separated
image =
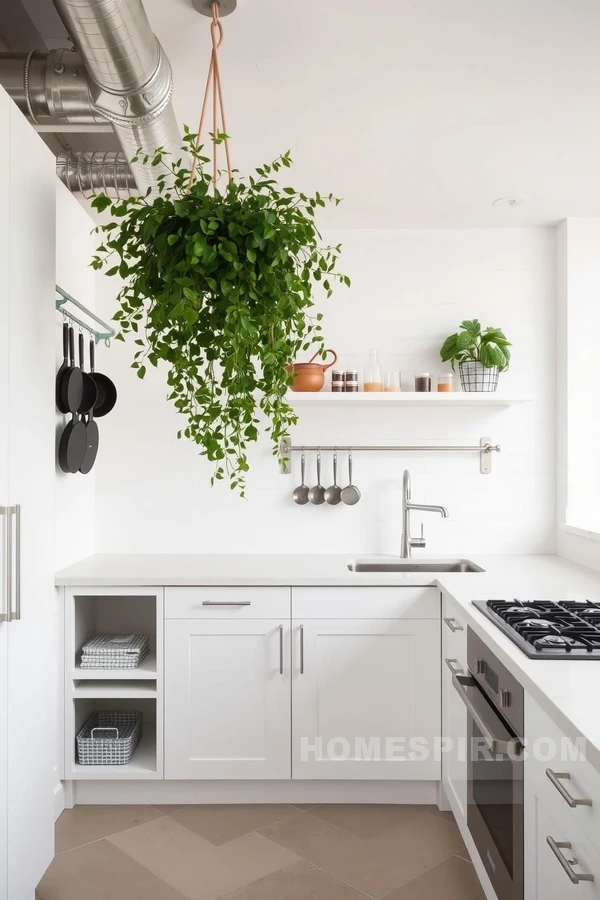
<point x="103" y="333"/>
<point x="485" y="448"/>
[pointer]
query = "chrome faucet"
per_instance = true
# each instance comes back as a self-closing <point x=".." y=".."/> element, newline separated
<point x="409" y="542"/>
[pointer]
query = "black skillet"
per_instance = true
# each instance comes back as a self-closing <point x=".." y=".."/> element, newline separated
<point x="69" y="380"/>
<point x="92" y="434"/>
<point x="73" y="444"/>
<point x="107" y="392"/>
<point x="89" y="394"/>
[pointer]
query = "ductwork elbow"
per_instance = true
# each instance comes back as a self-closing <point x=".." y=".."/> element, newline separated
<point x="131" y="81"/>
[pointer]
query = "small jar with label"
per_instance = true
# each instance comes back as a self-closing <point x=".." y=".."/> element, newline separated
<point x="351" y="381"/>
<point x="337" y="381"/>
<point x="446" y="382"/>
<point x="423" y="383"/>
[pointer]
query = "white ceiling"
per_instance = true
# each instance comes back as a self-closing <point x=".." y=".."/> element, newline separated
<point x="416" y="112"/>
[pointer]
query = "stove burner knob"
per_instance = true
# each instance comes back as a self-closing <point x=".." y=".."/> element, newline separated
<point x="480" y="666"/>
<point x="504" y="698"/>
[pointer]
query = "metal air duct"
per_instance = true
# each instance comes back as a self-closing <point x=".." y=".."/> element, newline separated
<point x="130" y="77"/>
<point x="87" y="173"/>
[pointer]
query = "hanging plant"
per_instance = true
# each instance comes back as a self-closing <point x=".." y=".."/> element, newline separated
<point x="218" y="283"/>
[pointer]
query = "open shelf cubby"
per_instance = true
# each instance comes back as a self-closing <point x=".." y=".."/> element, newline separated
<point x="92" y="611"/>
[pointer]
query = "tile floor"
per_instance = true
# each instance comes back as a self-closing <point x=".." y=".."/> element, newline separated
<point x="267" y="852"/>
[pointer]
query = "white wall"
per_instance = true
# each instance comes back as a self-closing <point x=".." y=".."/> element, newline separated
<point x="578" y="390"/>
<point x="410" y="289"/>
<point x="75" y="494"/>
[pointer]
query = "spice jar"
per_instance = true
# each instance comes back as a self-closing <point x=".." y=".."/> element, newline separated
<point x="423" y="383"/>
<point x="446" y="382"/>
<point x="351" y="381"/>
<point x="337" y="381"/>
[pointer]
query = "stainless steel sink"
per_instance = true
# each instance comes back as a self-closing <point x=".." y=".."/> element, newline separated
<point x="413" y="565"/>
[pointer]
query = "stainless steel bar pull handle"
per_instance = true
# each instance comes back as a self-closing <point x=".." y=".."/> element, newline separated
<point x="454" y="666"/>
<point x="557" y="847"/>
<point x="495" y="745"/>
<point x="226" y="603"/>
<point x="302" y="649"/>
<point x="556" y="778"/>
<point x="281" y="649"/>
<point x="16" y="614"/>
<point x="6" y="564"/>
<point x="453" y="625"/>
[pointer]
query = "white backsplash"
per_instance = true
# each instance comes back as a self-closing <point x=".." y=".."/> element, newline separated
<point x="411" y="288"/>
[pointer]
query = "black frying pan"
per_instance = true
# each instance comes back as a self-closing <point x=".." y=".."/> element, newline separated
<point x="89" y="394"/>
<point x="92" y="434"/>
<point x="73" y="445"/>
<point x="69" y="380"/>
<point x="107" y="392"/>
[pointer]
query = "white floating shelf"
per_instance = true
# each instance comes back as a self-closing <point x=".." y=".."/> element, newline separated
<point x="145" y="670"/>
<point x="454" y="399"/>
<point x="126" y="690"/>
<point x="141" y="765"/>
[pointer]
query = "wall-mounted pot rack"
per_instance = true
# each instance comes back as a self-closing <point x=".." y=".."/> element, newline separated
<point x="99" y="330"/>
<point x="485" y="450"/>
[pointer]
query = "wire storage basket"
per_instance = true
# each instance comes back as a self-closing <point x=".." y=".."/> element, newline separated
<point x="114" y="651"/>
<point x="109" y="738"/>
<point x="476" y="377"/>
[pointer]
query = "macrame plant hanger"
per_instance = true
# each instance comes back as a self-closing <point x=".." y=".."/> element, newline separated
<point x="213" y="92"/>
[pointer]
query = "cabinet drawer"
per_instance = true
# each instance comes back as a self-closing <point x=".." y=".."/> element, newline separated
<point x="552" y="753"/>
<point x="227" y="603"/>
<point x="366" y="603"/>
<point x="561" y="860"/>
<point x="454" y="632"/>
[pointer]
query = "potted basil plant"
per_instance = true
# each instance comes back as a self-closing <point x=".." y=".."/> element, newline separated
<point x="481" y="355"/>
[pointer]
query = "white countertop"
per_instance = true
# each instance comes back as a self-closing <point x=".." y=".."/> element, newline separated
<point x="568" y="691"/>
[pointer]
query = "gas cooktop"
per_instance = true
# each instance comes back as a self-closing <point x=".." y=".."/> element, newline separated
<point x="548" y="629"/>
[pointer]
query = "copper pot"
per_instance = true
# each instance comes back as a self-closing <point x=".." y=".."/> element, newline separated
<point x="310" y="376"/>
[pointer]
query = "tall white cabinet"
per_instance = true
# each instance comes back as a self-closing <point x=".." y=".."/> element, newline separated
<point x="27" y="639"/>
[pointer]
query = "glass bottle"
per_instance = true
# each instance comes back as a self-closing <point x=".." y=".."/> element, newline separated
<point x="373" y="373"/>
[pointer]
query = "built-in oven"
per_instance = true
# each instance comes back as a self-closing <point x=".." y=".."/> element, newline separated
<point x="495" y="713"/>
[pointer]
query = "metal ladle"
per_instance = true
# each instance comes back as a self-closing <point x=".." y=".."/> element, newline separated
<point x="300" y="494"/>
<point x="316" y="494"/>
<point x="350" y="494"/>
<point x="333" y="494"/>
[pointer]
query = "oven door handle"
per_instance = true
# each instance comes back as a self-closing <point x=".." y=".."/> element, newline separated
<point x="495" y="745"/>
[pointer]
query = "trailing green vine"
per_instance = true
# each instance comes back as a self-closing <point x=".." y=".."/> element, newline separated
<point x="218" y="283"/>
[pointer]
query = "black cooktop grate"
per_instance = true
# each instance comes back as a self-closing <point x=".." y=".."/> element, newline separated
<point x="548" y="629"/>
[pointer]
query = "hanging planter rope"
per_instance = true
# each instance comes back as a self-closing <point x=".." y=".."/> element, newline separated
<point x="214" y="87"/>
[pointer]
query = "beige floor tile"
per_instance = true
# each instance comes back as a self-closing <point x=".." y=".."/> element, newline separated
<point x="367" y="820"/>
<point x="375" y="866"/>
<point x="100" y="871"/>
<point x="220" y="824"/>
<point x="443" y="814"/>
<point x="85" y="824"/>
<point x="300" y="881"/>
<point x="166" y="809"/>
<point x="195" y="867"/>
<point x="454" y="879"/>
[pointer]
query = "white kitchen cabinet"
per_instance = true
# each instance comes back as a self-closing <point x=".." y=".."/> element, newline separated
<point x="227" y="697"/>
<point x="454" y="713"/>
<point x="28" y="716"/>
<point x="362" y="689"/>
<point x="550" y="874"/>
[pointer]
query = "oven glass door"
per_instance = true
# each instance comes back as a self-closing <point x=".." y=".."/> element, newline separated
<point x="495" y="792"/>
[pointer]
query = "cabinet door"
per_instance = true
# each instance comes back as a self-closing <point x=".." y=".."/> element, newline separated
<point x="4" y="343"/>
<point x="454" y="715"/>
<point x="31" y="708"/>
<point x="545" y="875"/>
<point x="365" y="698"/>
<point x="227" y="698"/>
